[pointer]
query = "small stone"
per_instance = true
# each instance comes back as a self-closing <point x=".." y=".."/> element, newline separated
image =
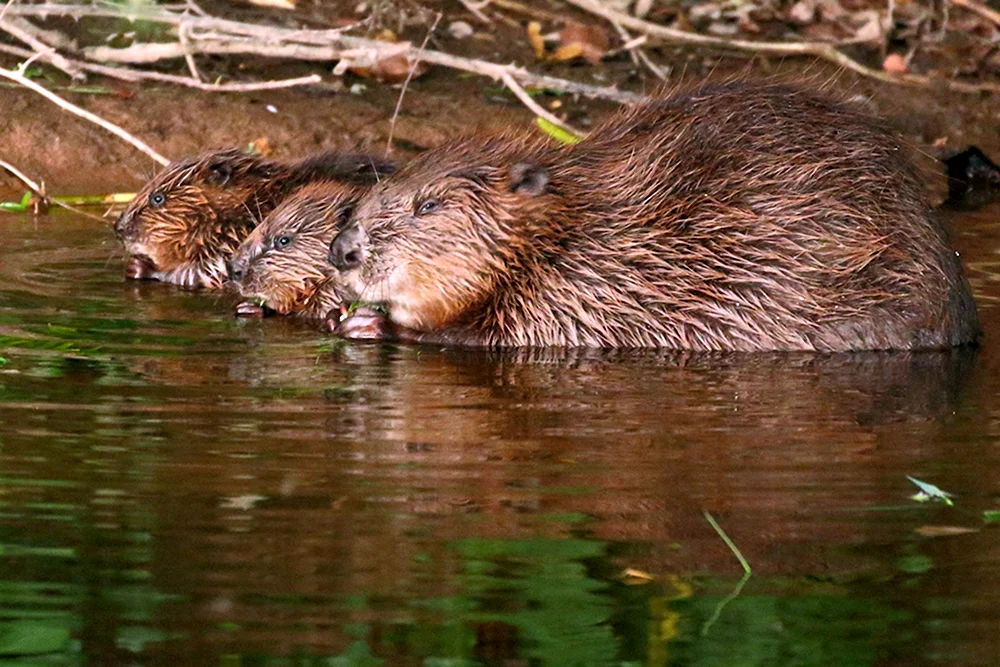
<point x="802" y="12"/>
<point x="708" y="10"/>
<point x="460" y="30"/>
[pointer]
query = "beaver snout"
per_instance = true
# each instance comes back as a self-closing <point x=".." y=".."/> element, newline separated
<point x="235" y="269"/>
<point x="348" y="249"/>
<point x="122" y="225"/>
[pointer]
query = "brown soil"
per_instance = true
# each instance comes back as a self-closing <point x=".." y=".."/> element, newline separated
<point x="73" y="156"/>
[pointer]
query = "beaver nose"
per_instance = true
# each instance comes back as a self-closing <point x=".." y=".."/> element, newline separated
<point x="235" y="269"/>
<point x="348" y="250"/>
<point x="121" y="224"/>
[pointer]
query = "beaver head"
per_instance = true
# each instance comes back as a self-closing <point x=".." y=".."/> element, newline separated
<point x="185" y="223"/>
<point x="282" y="266"/>
<point x="182" y="224"/>
<point x="437" y="238"/>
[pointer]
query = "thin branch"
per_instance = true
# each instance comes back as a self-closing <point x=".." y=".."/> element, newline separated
<point x="637" y="54"/>
<point x="193" y="6"/>
<point x="6" y="6"/>
<point x="409" y="76"/>
<point x="39" y="190"/>
<point x="34" y="187"/>
<point x="535" y="108"/>
<point x="819" y="50"/>
<point x="476" y="9"/>
<point x="321" y="45"/>
<point x="188" y="57"/>
<point x="522" y="8"/>
<point x="134" y="75"/>
<point x="18" y="77"/>
<point x="148" y="53"/>
<point x="978" y="8"/>
<point x="20" y="29"/>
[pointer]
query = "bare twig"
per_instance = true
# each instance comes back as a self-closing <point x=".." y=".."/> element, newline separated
<point x="409" y="76"/>
<point x="819" y="50"/>
<point x="134" y="75"/>
<point x="233" y="37"/>
<point x="978" y="8"/>
<point x="39" y="190"/>
<point x="535" y="108"/>
<point x="147" y="53"/>
<point x="193" y="6"/>
<point x="476" y="9"/>
<point x="17" y="76"/>
<point x="33" y="186"/>
<point x="522" y="8"/>
<point x="637" y="54"/>
<point x="188" y="58"/>
<point x="6" y="6"/>
<point x="21" y="29"/>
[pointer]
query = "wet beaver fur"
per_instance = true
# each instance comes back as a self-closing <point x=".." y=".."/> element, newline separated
<point x="186" y="222"/>
<point x="736" y="217"/>
<point x="282" y="266"/>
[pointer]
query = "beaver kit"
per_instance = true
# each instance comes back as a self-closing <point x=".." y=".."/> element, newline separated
<point x="282" y="265"/>
<point x="184" y="224"/>
<point x="737" y="217"/>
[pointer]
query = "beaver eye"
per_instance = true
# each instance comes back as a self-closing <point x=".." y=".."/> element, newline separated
<point x="428" y="206"/>
<point x="282" y="241"/>
<point x="157" y="199"/>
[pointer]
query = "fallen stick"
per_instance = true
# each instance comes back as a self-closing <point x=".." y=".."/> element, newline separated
<point x="819" y="50"/>
<point x="17" y="76"/>
<point x="33" y="186"/>
<point x="136" y="75"/>
<point x="22" y="30"/>
<point x="526" y="100"/>
<point x="233" y="37"/>
<point x="148" y="53"/>
<point x="979" y="8"/>
<point x="39" y="190"/>
<point x="409" y="77"/>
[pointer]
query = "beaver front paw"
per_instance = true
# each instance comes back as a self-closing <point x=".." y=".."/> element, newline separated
<point x="362" y="324"/>
<point x="139" y="268"/>
<point x="250" y="309"/>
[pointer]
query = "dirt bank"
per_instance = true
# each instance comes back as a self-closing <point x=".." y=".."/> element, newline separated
<point x="73" y="156"/>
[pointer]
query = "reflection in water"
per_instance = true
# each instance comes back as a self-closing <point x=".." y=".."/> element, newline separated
<point x="178" y="487"/>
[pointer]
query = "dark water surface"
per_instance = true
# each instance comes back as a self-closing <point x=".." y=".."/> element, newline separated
<point x="181" y="488"/>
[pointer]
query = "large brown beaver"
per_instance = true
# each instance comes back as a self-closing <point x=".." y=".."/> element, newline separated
<point x="186" y="222"/>
<point x="735" y="217"/>
<point x="282" y="266"/>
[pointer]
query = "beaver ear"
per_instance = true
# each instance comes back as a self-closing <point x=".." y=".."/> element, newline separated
<point x="220" y="171"/>
<point x="528" y="179"/>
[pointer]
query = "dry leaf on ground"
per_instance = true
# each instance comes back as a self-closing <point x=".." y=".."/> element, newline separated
<point x="537" y="41"/>
<point x="576" y="40"/>
<point x="392" y="68"/>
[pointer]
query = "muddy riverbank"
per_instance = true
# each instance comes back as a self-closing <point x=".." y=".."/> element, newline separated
<point x="73" y="156"/>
